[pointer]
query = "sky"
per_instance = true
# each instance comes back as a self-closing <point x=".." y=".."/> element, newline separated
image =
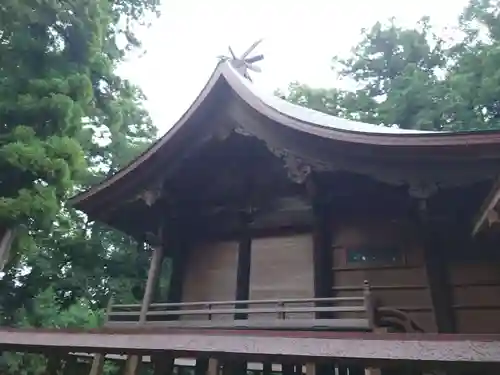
<point x="300" y="38"/>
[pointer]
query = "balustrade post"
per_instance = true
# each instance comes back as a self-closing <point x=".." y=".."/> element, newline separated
<point x="208" y="306"/>
<point x="281" y="313"/>
<point x="369" y="305"/>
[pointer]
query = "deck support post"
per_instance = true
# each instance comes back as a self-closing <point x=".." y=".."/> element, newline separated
<point x="54" y="364"/>
<point x="267" y="368"/>
<point x="234" y="367"/>
<point x="70" y="366"/>
<point x="163" y="364"/>
<point x="213" y="366"/>
<point x="310" y="368"/>
<point x="154" y="271"/>
<point x="201" y="366"/>
<point x="373" y="371"/>
<point x="97" y="366"/>
<point x="287" y="369"/>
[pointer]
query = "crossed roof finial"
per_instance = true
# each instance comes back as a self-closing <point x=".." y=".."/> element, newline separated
<point x="244" y="63"/>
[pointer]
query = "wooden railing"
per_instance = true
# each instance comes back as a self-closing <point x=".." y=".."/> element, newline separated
<point x="295" y="313"/>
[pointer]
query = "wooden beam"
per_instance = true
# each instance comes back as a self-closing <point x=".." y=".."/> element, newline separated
<point x="243" y="271"/>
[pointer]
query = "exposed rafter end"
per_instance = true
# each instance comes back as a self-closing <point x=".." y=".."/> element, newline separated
<point x="488" y="214"/>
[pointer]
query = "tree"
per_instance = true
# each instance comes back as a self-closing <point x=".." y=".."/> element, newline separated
<point x="67" y="121"/>
<point x="415" y="79"/>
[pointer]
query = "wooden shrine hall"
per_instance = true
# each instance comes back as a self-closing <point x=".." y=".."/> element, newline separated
<point x="286" y="223"/>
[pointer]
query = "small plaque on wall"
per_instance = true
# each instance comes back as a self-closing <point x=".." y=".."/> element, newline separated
<point x="374" y="255"/>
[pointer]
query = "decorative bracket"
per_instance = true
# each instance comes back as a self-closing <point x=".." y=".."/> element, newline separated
<point x="422" y="190"/>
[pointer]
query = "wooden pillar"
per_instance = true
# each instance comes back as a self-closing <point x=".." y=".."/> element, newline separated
<point x="437" y="273"/>
<point x="178" y="253"/>
<point x="322" y="255"/>
<point x="133" y="361"/>
<point x="322" y="244"/>
<point x="244" y="262"/>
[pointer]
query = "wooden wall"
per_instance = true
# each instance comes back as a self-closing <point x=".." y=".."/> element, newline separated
<point x="476" y="296"/>
<point x="282" y="267"/>
<point x="211" y="274"/>
<point x="400" y="284"/>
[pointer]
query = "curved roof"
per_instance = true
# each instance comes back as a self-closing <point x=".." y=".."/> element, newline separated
<point x="301" y="121"/>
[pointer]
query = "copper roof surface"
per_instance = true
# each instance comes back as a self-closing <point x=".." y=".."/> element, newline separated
<point x="306" y="122"/>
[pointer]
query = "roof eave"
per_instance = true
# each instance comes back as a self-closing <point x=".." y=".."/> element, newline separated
<point x="84" y="200"/>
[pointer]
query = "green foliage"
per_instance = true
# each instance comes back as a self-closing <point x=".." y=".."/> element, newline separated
<point x="415" y="79"/>
<point x="58" y="94"/>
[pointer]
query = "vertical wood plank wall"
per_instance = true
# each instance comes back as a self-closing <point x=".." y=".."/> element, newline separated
<point x="476" y="296"/>
<point x="282" y="267"/>
<point x="401" y="285"/>
<point x="211" y="275"/>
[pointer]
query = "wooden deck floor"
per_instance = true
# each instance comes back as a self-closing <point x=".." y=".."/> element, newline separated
<point x="366" y="348"/>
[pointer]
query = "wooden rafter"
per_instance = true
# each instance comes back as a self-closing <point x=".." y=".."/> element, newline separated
<point x="488" y="214"/>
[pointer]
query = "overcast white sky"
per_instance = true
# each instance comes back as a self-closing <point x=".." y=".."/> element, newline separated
<point x="301" y="37"/>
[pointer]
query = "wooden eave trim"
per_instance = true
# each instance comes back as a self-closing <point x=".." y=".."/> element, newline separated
<point x="364" y="347"/>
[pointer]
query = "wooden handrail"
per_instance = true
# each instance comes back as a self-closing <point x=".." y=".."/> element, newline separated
<point x="279" y="310"/>
<point x="250" y="302"/>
